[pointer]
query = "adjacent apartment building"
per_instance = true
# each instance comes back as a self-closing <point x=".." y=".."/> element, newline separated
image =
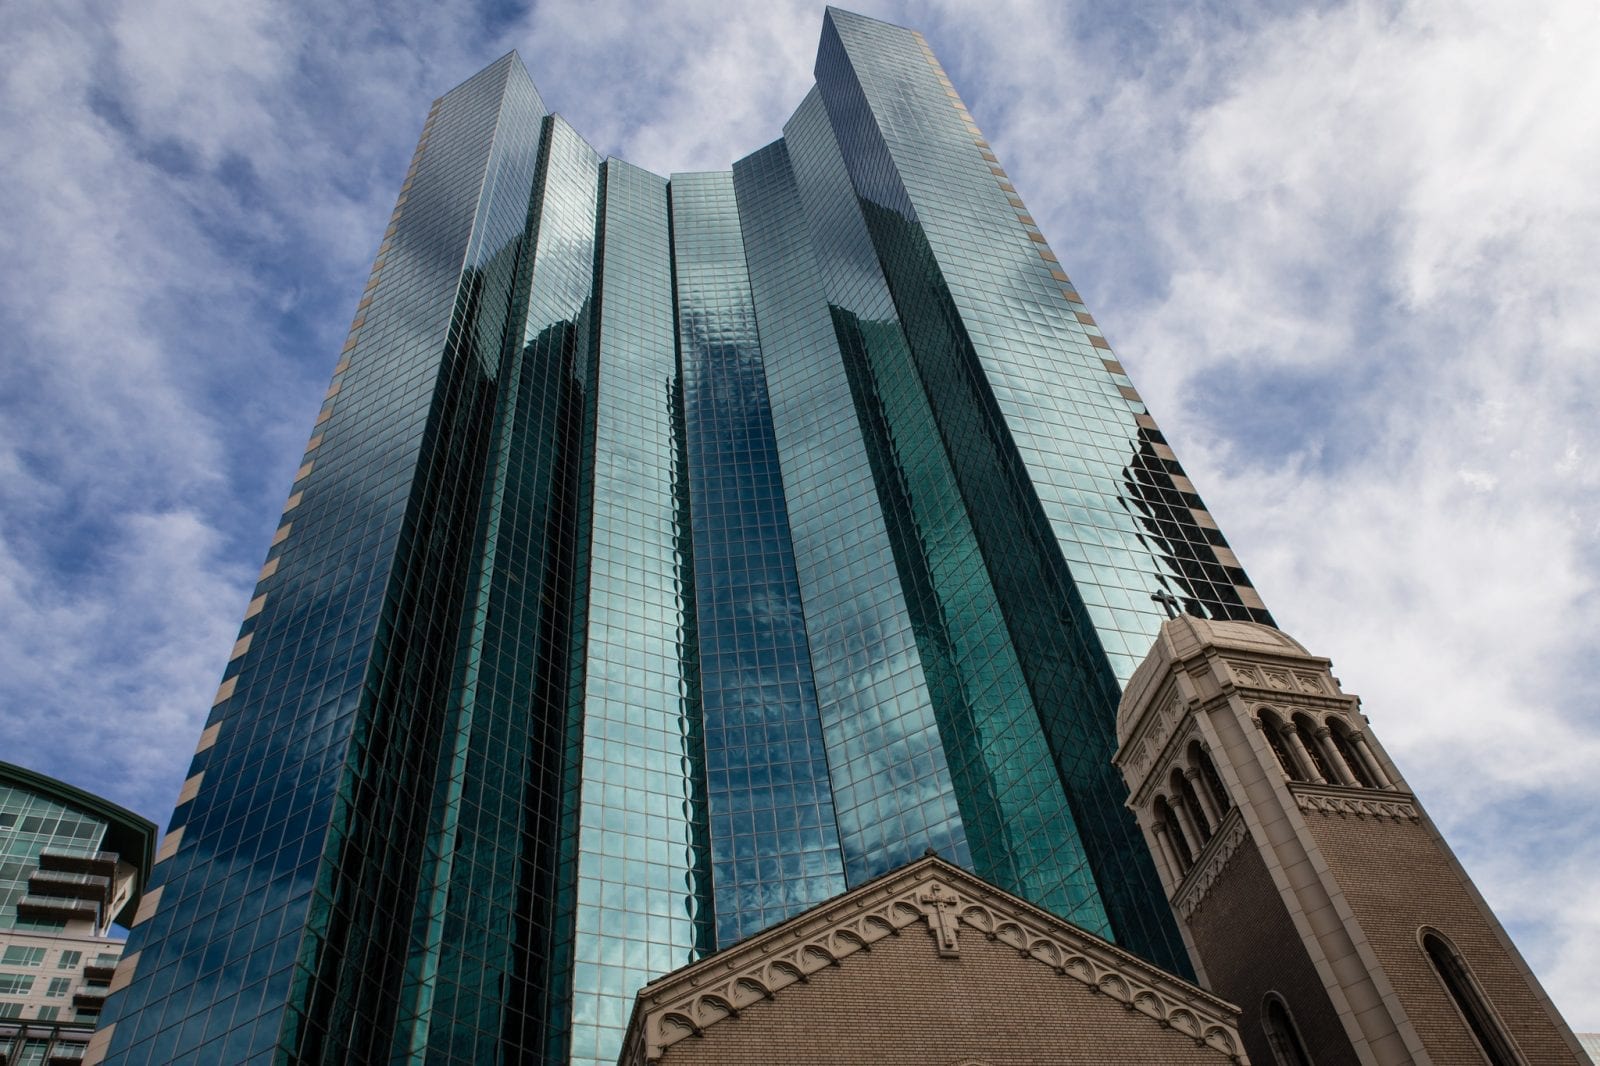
<point x="72" y="866"/>
<point x="671" y="554"/>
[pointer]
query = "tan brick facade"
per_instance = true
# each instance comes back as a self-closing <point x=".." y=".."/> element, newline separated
<point x="1303" y="871"/>
<point x="1398" y="879"/>
<point x="904" y="1005"/>
<point x="927" y="965"/>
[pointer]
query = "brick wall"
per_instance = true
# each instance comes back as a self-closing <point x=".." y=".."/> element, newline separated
<point x="1250" y="947"/>
<point x="1396" y="880"/>
<point x="902" y="1005"/>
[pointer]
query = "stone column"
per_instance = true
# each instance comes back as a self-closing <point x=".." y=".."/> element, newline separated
<point x="1169" y="851"/>
<point x="1297" y="750"/>
<point x="1202" y="790"/>
<point x="1331" y="756"/>
<point x="1358" y="740"/>
<point x="1187" y="826"/>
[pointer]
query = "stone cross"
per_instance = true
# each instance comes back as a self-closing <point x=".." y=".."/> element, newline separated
<point x="1167" y="600"/>
<point x="940" y="909"/>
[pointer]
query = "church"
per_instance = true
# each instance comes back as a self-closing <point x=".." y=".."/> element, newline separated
<point x="1327" y="920"/>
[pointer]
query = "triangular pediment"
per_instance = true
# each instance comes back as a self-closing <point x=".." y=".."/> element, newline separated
<point x="952" y="909"/>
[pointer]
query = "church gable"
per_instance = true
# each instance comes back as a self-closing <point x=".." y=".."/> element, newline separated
<point x="927" y="964"/>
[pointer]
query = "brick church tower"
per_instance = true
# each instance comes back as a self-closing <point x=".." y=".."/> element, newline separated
<point x="1311" y="887"/>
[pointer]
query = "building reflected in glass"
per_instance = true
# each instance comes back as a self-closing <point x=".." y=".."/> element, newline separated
<point x="669" y="554"/>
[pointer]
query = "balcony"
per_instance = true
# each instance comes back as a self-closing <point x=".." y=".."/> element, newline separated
<point x="48" y="907"/>
<point x="87" y="997"/>
<point x="68" y="1042"/>
<point x="98" y="975"/>
<point x="79" y="861"/>
<point x="70" y="885"/>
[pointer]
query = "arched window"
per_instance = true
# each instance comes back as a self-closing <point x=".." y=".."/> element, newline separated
<point x="1306" y="729"/>
<point x="1208" y="774"/>
<point x="1163" y="812"/>
<point x="1283" y="1036"/>
<point x="1347" y="752"/>
<point x="1272" y="728"/>
<point x="1469" y="999"/>
<point x="1183" y="795"/>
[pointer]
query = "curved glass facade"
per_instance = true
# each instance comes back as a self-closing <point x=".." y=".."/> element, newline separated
<point x="668" y="556"/>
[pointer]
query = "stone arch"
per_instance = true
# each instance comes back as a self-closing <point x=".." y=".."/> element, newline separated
<point x="1147" y="1002"/>
<point x="847" y="940"/>
<point x="675" y="1025"/>
<point x="1344" y="743"/>
<point x="821" y="954"/>
<point x="1207" y="776"/>
<point x="1272" y="727"/>
<point x="1305" y="730"/>
<point x="1047" y="951"/>
<point x="1283" y="1035"/>
<point x="1162" y="810"/>
<point x="750" y="989"/>
<point x="781" y="972"/>
<point x="1470" y="1000"/>
<point x="1183" y="793"/>
<point x="1115" y="987"/>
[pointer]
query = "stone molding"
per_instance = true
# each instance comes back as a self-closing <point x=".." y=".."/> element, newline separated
<point x="1158" y="735"/>
<point x="1358" y="802"/>
<point x="1104" y="972"/>
<point x="1196" y="884"/>
<point x="1278" y="678"/>
<point x="946" y="901"/>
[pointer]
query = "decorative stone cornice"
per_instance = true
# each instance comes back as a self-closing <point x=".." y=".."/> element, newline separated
<point x="1155" y="743"/>
<point x="1278" y="678"/>
<point x="1105" y="971"/>
<point x="1355" y="802"/>
<point x="948" y="900"/>
<point x="1196" y="884"/>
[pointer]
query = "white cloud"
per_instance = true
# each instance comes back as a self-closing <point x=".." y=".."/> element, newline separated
<point x="1386" y="213"/>
<point x="187" y="222"/>
<point x="673" y="87"/>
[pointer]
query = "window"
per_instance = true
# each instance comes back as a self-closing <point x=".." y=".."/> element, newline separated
<point x="1283" y="1036"/>
<point x="1208" y="774"/>
<point x="1306" y="730"/>
<point x="69" y="960"/>
<point x="1347" y="751"/>
<point x="1469" y="999"/>
<point x="1272" y="729"/>
<point x="59" y="987"/>
<point x="10" y="1010"/>
<point x="107" y="958"/>
<point x="1184" y="795"/>
<point x="1180" y="846"/>
<point x="49" y="1014"/>
<point x="15" y="984"/>
<point x="31" y="1053"/>
<point x="20" y="955"/>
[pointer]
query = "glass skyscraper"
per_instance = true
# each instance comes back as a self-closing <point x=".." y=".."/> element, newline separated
<point x="670" y="554"/>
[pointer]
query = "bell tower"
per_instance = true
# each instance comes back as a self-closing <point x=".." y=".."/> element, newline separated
<point x="1310" y="886"/>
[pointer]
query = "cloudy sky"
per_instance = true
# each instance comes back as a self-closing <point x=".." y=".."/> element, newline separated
<point x="1350" y="252"/>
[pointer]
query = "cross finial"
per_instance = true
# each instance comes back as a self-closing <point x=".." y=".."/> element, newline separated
<point x="939" y="908"/>
<point x="1167" y="600"/>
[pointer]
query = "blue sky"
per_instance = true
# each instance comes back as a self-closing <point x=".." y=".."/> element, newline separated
<point x="1349" y="253"/>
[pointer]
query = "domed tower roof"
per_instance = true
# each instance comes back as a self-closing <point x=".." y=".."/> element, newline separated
<point x="1183" y="638"/>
